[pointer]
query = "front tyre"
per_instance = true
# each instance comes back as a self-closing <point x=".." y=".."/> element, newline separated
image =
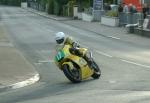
<point x="72" y="74"/>
<point x="97" y="71"/>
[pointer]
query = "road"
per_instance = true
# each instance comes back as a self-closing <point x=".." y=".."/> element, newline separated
<point x="125" y="65"/>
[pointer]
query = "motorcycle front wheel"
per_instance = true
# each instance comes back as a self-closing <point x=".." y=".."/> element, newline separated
<point x="72" y="74"/>
<point x="97" y="71"/>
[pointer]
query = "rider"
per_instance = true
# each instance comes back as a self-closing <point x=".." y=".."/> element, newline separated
<point x="62" y="40"/>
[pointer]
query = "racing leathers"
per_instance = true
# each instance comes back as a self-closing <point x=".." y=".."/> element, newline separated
<point x="76" y="50"/>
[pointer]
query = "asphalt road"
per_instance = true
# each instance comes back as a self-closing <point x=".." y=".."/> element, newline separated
<point x="125" y="65"/>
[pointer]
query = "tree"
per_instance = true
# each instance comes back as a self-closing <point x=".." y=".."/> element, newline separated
<point x="108" y="1"/>
<point x="56" y="6"/>
<point x="50" y="6"/>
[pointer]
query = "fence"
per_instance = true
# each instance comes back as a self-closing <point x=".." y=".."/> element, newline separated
<point x="37" y="6"/>
<point x="129" y="18"/>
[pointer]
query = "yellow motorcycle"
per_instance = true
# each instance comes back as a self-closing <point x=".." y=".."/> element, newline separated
<point x="74" y="67"/>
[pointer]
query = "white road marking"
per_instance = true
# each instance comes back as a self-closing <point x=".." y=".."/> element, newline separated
<point x="99" y="52"/>
<point x="27" y="82"/>
<point x="113" y="37"/>
<point x="45" y="61"/>
<point x="102" y="53"/>
<point x="138" y="64"/>
<point x="112" y="81"/>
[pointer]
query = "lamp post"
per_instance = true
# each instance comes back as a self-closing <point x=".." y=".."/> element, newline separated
<point x="141" y="20"/>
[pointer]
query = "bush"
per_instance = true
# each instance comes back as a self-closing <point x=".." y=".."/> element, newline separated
<point x="112" y="13"/>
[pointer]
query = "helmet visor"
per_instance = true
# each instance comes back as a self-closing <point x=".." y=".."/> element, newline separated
<point x="59" y="41"/>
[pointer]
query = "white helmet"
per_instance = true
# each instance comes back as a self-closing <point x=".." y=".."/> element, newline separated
<point x="59" y="37"/>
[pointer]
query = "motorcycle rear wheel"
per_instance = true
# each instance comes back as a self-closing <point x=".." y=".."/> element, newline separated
<point x="72" y="75"/>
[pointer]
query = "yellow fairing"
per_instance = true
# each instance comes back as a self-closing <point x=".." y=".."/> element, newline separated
<point x="85" y="71"/>
<point x="69" y="64"/>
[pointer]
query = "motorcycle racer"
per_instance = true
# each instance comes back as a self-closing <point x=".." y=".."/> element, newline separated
<point x="62" y="39"/>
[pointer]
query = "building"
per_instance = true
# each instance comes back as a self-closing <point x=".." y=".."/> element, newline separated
<point x="136" y="3"/>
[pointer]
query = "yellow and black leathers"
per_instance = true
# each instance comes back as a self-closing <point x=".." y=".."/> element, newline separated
<point x="69" y="41"/>
<point x="74" y="50"/>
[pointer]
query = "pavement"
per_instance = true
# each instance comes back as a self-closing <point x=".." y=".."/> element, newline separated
<point x="44" y="14"/>
<point x="15" y="70"/>
<point x="95" y="27"/>
<point x="118" y="33"/>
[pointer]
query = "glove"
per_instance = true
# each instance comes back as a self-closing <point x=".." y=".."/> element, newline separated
<point x="75" y="45"/>
<point x="75" y="51"/>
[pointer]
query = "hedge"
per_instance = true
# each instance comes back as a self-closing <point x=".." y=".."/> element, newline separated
<point x="11" y="2"/>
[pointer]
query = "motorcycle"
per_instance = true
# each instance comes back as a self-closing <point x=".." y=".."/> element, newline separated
<point x="74" y="67"/>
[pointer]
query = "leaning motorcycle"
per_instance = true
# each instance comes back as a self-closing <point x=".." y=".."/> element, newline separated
<point x="74" y="67"/>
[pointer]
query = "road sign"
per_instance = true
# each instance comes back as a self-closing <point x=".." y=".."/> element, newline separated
<point x="97" y="4"/>
<point x="146" y="24"/>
